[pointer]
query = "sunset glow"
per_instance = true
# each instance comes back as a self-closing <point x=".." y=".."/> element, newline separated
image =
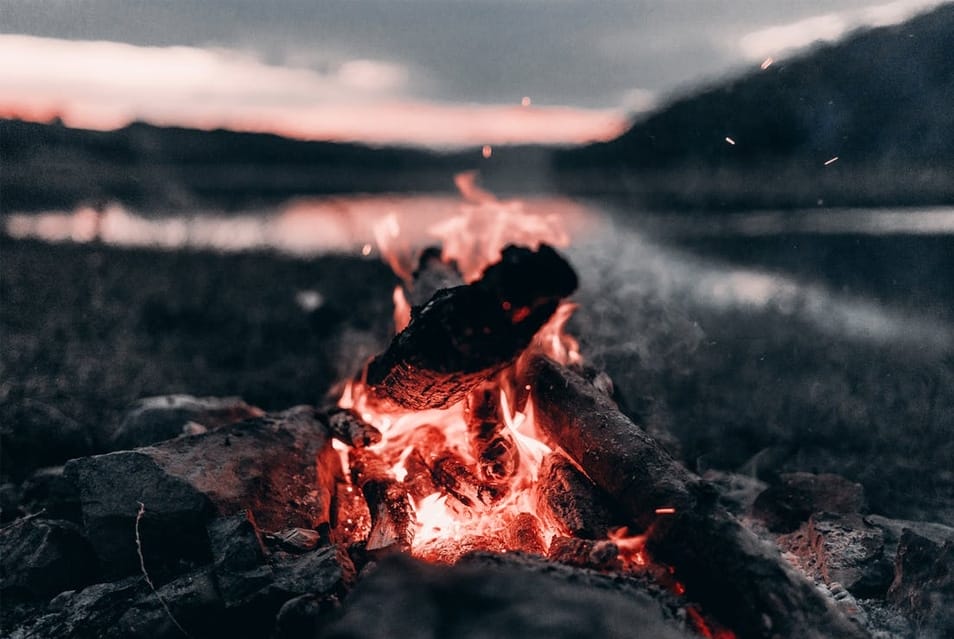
<point x="106" y="85"/>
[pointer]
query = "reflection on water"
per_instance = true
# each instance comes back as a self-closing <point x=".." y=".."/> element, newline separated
<point x="302" y="227"/>
<point x="623" y="263"/>
<point x="928" y="221"/>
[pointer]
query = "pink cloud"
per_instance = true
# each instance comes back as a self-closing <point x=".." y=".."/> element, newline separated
<point x="105" y="85"/>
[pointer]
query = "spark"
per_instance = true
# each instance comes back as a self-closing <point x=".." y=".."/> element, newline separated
<point x="730" y="140"/>
<point x="487" y="151"/>
<point x="525" y="101"/>
<point x="766" y="63"/>
<point x="366" y="250"/>
<point x="831" y="161"/>
<point x="668" y="510"/>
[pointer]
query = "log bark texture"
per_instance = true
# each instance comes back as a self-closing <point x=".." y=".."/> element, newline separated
<point x="736" y="577"/>
<point x="466" y="334"/>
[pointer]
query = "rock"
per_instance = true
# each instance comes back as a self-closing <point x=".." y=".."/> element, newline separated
<point x="236" y="543"/>
<point x="318" y="572"/>
<point x="187" y="606"/>
<point x="90" y="613"/>
<point x="495" y="597"/>
<point x="49" y="490"/>
<point x="296" y="539"/>
<point x="40" y="558"/>
<point x="851" y="552"/>
<point x="893" y="528"/>
<point x="923" y="585"/>
<point x="785" y="506"/>
<point x="156" y="419"/>
<point x="281" y="467"/>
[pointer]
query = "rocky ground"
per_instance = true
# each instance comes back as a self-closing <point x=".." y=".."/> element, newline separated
<point x="760" y="402"/>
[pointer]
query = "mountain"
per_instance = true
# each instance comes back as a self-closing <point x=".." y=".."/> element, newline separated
<point x="50" y="165"/>
<point x="881" y="101"/>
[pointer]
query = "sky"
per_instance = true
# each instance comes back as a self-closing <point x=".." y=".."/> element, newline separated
<point x="424" y="72"/>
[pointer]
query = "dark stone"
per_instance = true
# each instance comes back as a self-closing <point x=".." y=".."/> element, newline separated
<point x="156" y="419"/>
<point x="236" y="543"/>
<point x="849" y="551"/>
<point x="495" y="597"/>
<point x="317" y="572"/>
<point x="281" y="467"/>
<point x="783" y="507"/>
<point x="189" y="605"/>
<point x="923" y="585"/>
<point x="49" y="490"/>
<point x="90" y="613"/>
<point x="41" y="557"/>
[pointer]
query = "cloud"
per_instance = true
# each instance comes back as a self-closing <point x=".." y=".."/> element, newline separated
<point x="827" y="27"/>
<point x="105" y="85"/>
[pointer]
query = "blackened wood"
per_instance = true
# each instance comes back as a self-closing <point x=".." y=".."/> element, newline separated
<point x="347" y="426"/>
<point x="491" y="443"/>
<point x="573" y="502"/>
<point x="585" y="553"/>
<point x="735" y="577"/>
<point x="452" y="475"/>
<point x="465" y="335"/>
<point x="392" y="518"/>
<point x="432" y="275"/>
<point x="418" y="481"/>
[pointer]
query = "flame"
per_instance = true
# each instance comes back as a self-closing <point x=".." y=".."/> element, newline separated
<point x="444" y="518"/>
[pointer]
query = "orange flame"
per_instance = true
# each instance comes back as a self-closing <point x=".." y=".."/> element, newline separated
<point x="473" y="240"/>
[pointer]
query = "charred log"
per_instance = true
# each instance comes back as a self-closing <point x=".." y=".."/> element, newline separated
<point x="392" y="519"/>
<point x="347" y="426"/>
<point x="418" y="482"/>
<point x="452" y="475"/>
<point x="491" y="443"/>
<point x="433" y="274"/>
<point x="568" y="496"/>
<point x="465" y="335"/>
<point x="737" y="578"/>
<point x="585" y="553"/>
<point x="525" y="534"/>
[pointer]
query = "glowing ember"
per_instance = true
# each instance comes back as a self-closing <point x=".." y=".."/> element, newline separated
<point x="526" y="101"/>
<point x="766" y="63"/>
<point x="730" y="140"/>
<point x="831" y="161"/>
<point x="486" y="151"/>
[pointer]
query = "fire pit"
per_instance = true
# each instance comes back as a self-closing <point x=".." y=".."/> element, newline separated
<point x="475" y="477"/>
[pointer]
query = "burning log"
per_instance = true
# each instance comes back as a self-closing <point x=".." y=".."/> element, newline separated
<point x="722" y="565"/>
<point x="465" y="335"/>
<point x="418" y="482"/>
<point x="492" y="445"/>
<point x="452" y="475"/>
<point x="392" y="517"/>
<point x="433" y="274"/>
<point x="524" y="533"/>
<point x="347" y="426"/>
<point x="568" y="496"/>
<point x="585" y="553"/>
